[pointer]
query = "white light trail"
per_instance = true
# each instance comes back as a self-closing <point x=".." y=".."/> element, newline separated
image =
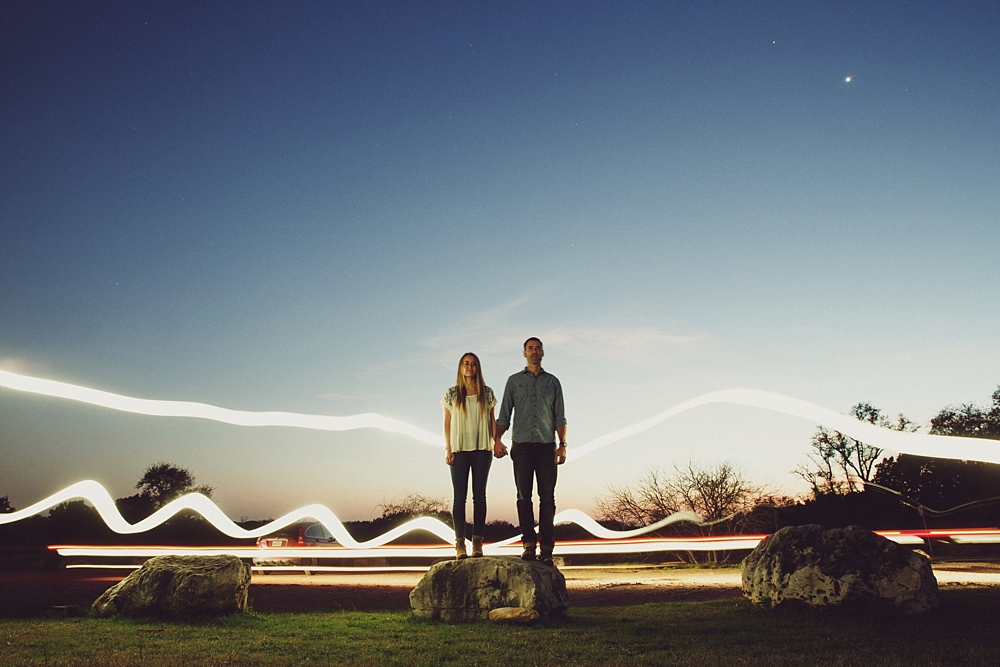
<point x="156" y="408"/>
<point x="606" y="542"/>
<point x="940" y="446"/>
<point x="98" y="496"/>
<point x="920" y="444"/>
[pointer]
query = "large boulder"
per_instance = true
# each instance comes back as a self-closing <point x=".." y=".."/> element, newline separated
<point x="841" y="565"/>
<point x="179" y="587"/>
<point x="459" y="591"/>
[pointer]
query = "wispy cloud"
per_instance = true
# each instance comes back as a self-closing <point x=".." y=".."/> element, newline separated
<point x="489" y="322"/>
<point x="621" y="341"/>
<point x="498" y="330"/>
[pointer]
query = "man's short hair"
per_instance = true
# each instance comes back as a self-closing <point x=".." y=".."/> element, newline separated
<point x="538" y="340"/>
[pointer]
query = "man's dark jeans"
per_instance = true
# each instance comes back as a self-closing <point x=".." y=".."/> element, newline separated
<point x="535" y="460"/>
<point x="479" y="463"/>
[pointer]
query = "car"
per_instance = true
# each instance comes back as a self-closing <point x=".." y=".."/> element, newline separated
<point x="296" y="535"/>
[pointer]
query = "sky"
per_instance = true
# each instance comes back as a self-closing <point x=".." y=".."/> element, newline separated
<point x="319" y="207"/>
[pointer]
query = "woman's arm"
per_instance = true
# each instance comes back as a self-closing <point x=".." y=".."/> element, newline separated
<point x="449" y="456"/>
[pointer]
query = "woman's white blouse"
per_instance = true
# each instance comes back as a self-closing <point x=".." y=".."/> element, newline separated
<point x="468" y="431"/>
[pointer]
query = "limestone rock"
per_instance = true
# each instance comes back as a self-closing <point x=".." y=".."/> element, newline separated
<point x="179" y="587"/>
<point x="459" y="591"/>
<point x="514" y="615"/>
<point x="841" y="565"/>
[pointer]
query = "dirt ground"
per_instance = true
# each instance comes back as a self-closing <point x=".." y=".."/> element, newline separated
<point x="60" y="592"/>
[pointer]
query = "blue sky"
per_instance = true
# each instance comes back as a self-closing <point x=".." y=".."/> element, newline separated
<point x="318" y="207"/>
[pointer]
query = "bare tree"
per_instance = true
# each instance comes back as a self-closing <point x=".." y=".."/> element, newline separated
<point x="5" y="506"/>
<point x="414" y="504"/>
<point x="712" y="492"/>
<point x="650" y="500"/>
<point x="839" y="464"/>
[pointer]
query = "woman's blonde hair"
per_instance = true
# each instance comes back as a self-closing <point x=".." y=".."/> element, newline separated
<point x="460" y="391"/>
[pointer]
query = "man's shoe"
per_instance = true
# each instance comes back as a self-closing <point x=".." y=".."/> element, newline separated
<point x="529" y="552"/>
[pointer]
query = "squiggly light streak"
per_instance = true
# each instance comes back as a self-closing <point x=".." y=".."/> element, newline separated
<point x="607" y="542"/>
<point x="105" y="506"/>
<point x="98" y="496"/>
<point x="940" y="446"/>
<point x="157" y="408"/>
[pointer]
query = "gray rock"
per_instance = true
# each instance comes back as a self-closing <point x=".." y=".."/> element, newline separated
<point x="179" y="587"/>
<point x="459" y="591"/>
<point x="518" y="615"/>
<point x="841" y="565"/>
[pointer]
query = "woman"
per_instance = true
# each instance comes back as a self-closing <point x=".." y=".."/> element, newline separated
<point x="469" y="425"/>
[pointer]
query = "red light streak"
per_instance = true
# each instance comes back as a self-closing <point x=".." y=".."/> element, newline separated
<point x="563" y="548"/>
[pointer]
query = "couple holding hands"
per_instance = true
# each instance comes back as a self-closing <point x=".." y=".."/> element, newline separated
<point x="472" y="437"/>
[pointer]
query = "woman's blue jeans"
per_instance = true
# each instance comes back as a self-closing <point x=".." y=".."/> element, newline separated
<point x="478" y="462"/>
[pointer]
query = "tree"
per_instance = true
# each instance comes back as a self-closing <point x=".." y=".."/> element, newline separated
<point x="164" y="482"/>
<point x="946" y="484"/>
<point x="716" y="492"/>
<point x="75" y="519"/>
<point x="413" y="505"/>
<point x="160" y="484"/>
<point x="840" y="464"/>
<point x="5" y="506"/>
<point x="713" y="492"/>
<point x="969" y="420"/>
<point x="650" y="500"/>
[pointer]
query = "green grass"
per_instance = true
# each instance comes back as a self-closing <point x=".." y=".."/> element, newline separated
<point x="962" y="631"/>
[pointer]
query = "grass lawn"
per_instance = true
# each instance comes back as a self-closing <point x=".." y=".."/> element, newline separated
<point x="963" y="631"/>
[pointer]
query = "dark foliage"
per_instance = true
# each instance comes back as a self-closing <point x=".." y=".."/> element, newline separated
<point x="163" y="482"/>
<point x="969" y="420"/>
<point x="135" y="508"/>
<point x="944" y="484"/>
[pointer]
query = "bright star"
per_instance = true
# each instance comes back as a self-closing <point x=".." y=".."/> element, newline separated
<point x="847" y="80"/>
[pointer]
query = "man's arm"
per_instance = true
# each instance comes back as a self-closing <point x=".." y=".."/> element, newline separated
<point x="495" y="433"/>
<point x="559" y="419"/>
<point x="499" y="449"/>
<point x="561" y="449"/>
<point x="503" y="421"/>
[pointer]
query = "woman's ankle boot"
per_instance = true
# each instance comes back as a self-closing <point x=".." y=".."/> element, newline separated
<point x="460" y="552"/>
<point x="477" y="546"/>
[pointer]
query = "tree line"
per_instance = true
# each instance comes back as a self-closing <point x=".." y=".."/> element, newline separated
<point x="850" y="482"/>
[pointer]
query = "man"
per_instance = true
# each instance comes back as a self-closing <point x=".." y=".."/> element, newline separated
<point x="536" y="399"/>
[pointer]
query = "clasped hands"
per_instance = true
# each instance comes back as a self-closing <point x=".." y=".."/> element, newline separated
<point x="499" y="449"/>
